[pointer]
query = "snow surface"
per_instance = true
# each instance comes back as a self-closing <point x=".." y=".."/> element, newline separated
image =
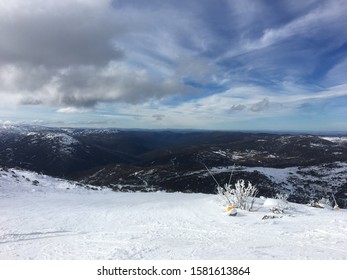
<point x="57" y="219"/>
<point x="340" y="140"/>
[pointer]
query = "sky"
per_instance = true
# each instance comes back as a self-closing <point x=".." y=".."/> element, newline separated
<point x="197" y="64"/>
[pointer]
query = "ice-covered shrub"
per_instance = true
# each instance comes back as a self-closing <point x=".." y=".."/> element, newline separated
<point x="325" y="203"/>
<point x="241" y="195"/>
<point x="275" y="205"/>
<point x="322" y="203"/>
<point x="283" y="198"/>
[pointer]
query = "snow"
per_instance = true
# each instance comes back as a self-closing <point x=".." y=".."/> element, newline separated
<point x="64" y="139"/>
<point x="274" y="203"/>
<point x="276" y="174"/>
<point x="339" y="140"/>
<point x="64" y="142"/>
<point x="57" y="219"/>
<point x="220" y="152"/>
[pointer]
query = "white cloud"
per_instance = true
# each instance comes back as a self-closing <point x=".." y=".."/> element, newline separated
<point x="70" y="110"/>
<point x="337" y="75"/>
<point x="52" y="55"/>
<point x="324" y="21"/>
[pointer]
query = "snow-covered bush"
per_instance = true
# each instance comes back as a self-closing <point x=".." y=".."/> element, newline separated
<point x="241" y="195"/>
<point x="322" y="203"/>
<point x="325" y="203"/>
<point x="275" y="205"/>
<point x="283" y="198"/>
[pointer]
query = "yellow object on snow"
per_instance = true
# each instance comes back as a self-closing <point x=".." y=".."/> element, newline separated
<point x="229" y="207"/>
<point x="230" y="210"/>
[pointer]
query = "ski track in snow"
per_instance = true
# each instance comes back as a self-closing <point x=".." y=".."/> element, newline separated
<point x="49" y="221"/>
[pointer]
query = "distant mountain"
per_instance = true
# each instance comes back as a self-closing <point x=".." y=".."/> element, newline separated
<point x="57" y="152"/>
<point x="304" y="166"/>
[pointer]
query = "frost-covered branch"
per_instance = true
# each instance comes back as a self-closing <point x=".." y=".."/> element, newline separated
<point x="241" y="195"/>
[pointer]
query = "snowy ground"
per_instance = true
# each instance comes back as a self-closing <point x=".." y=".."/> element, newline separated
<point x="59" y="220"/>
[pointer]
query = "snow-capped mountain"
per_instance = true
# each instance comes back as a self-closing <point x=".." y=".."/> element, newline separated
<point x="52" y="151"/>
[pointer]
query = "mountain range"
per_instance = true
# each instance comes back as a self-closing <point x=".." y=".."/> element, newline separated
<point x="304" y="166"/>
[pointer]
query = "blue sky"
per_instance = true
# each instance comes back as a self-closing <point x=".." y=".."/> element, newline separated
<point x="198" y="64"/>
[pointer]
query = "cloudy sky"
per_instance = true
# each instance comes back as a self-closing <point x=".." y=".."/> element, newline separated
<point x="201" y="64"/>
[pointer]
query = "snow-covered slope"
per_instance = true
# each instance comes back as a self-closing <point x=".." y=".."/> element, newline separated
<point x="46" y="218"/>
<point x="339" y="140"/>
